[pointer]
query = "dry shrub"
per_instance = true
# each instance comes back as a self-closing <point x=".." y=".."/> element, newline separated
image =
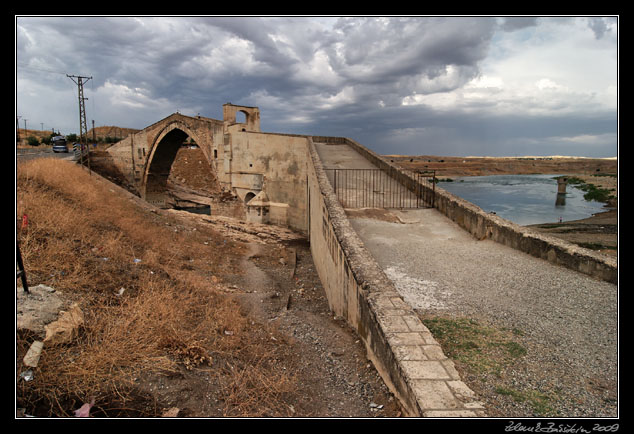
<point x="78" y="228"/>
<point x="257" y="385"/>
<point x="82" y="238"/>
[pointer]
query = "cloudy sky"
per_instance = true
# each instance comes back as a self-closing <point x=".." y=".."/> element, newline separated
<point x="498" y="86"/>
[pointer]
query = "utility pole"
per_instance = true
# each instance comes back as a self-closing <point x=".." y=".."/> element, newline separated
<point x="83" y="129"/>
<point x="17" y="127"/>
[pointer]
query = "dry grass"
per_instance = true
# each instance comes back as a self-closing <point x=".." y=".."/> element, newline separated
<point x="83" y="238"/>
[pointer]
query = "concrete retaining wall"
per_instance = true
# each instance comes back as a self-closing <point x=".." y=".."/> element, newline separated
<point x="484" y="225"/>
<point x="402" y="349"/>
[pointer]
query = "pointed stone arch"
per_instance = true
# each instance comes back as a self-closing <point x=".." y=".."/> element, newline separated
<point x="162" y="154"/>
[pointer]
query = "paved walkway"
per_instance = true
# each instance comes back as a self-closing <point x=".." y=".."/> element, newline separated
<point x="437" y="266"/>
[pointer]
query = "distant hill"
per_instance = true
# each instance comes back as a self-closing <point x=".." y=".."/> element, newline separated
<point x="40" y="134"/>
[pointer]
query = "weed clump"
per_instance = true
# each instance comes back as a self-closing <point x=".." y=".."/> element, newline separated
<point x="591" y="191"/>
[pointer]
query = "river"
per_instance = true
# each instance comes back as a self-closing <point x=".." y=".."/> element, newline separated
<point x="524" y="199"/>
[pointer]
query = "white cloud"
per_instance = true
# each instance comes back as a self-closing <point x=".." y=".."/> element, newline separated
<point x="587" y="139"/>
<point x="548" y="84"/>
<point x="345" y="96"/>
<point x="438" y="101"/>
<point x="227" y="57"/>
<point x="556" y="55"/>
<point x="121" y="95"/>
<point x="318" y="71"/>
<point x="486" y="82"/>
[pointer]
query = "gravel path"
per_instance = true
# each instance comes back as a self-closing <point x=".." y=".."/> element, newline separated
<point x="568" y="321"/>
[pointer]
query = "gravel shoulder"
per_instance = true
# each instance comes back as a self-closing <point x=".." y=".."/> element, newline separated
<point x="566" y="323"/>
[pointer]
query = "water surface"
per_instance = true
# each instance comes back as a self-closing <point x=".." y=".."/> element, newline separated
<point x="524" y="199"/>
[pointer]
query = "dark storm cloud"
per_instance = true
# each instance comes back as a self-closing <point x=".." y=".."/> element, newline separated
<point x="371" y="61"/>
<point x="180" y="59"/>
<point x="397" y="54"/>
<point x="331" y="76"/>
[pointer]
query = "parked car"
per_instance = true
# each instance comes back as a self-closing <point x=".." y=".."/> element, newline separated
<point x="59" y="144"/>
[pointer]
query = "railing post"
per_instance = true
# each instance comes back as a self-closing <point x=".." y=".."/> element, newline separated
<point x="433" y="194"/>
<point x="334" y="175"/>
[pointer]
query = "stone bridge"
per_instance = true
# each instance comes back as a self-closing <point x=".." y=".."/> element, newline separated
<point x="146" y="157"/>
<point x="283" y="180"/>
<point x="246" y="162"/>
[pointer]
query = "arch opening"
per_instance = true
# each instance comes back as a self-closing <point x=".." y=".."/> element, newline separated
<point x="242" y="117"/>
<point x="159" y="168"/>
<point x="177" y="160"/>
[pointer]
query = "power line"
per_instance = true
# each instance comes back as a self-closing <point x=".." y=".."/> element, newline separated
<point x="82" y="107"/>
<point x="92" y="91"/>
<point x="40" y="69"/>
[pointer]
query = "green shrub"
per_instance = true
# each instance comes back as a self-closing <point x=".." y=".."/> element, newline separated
<point x="32" y="141"/>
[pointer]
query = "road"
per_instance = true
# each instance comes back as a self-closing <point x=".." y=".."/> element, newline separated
<point x="25" y="154"/>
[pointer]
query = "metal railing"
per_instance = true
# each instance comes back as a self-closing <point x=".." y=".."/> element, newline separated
<point x="377" y="188"/>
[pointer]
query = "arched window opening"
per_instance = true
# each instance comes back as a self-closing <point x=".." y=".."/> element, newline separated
<point x="250" y="195"/>
<point x="241" y="117"/>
